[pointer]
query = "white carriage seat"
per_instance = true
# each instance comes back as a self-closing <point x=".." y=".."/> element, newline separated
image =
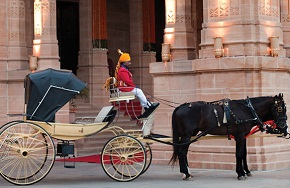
<point x="117" y="95"/>
<point x="102" y="115"/>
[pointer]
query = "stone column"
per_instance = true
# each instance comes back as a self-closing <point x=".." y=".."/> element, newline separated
<point x="17" y="52"/>
<point x="99" y="70"/>
<point x="197" y="20"/>
<point x="93" y="66"/>
<point x="13" y="57"/>
<point x="178" y="30"/>
<point x="285" y="21"/>
<point x="136" y="40"/>
<point x="85" y="39"/>
<point x="45" y="44"/>
<point x="149" y="48"/>
<point x="99" y="24"/>
<point x="148" y="25"/>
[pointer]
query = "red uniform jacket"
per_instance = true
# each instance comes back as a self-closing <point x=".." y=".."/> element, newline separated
<point x="126" y="83"/>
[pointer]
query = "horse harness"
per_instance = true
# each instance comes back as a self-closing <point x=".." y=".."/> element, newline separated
<point x="228" y="113"/>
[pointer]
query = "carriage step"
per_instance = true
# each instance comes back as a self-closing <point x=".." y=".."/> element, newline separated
<point x="69" y="164"/>
<point x="66" y="149"/>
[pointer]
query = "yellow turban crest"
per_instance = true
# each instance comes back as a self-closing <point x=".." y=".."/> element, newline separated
<point x="124" y="56"/>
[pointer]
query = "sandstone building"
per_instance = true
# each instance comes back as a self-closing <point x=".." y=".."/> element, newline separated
<point x="218" y="49"/>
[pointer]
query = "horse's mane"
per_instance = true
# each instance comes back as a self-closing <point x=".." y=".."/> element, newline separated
<point x="241" y="101"/>
<point x="253" y="99"/>
<point x="262" y="98"/>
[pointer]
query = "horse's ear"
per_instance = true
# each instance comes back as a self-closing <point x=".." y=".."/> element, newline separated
<point x="281" y="95"/>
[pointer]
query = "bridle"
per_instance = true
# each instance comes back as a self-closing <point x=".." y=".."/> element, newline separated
<point x="279" y="112"/>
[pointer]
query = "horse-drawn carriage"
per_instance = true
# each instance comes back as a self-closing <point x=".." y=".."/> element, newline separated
<point x="27" y="147"/>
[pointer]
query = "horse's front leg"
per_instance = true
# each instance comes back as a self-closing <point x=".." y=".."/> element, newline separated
<point x="183" y="164"/>
<point x="245" y="164"/>
<point x="240" y="142"/>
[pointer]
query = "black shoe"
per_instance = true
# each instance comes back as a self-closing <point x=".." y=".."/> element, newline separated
<point x="154" y="105"/>
<point x="148" y="111"/>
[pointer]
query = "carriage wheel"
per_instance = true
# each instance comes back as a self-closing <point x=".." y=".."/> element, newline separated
<point x="148" y="161"/>
<point x="123" y="158"/>
<point x="148" y="157"/>
<point x="27" y="153"/>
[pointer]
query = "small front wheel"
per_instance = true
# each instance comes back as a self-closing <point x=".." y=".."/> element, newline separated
<point x="123" y="158"/>
<point x="148" y="157"/>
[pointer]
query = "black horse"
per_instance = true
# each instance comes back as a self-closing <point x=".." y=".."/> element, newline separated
<point x="234" y="118"/>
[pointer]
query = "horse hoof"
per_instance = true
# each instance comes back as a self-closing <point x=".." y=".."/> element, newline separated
<point x="241" y="178"/>
<point x="190" y="178"/>
<point x="183" y="176"/>
<point x="187" y="178"/>
<point x="249" y="174"/>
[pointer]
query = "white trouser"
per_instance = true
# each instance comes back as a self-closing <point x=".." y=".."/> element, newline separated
<point x="140" y="95"/>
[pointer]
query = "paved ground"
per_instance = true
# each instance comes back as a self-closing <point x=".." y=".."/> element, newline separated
<point x="161" y="176"/>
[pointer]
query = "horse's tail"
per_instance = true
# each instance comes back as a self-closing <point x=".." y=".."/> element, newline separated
<point x="175" y="138"/>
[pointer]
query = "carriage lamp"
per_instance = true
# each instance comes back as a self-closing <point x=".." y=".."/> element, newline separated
<point x="165" y="52"/>
<point x="32" y="63"/>
<point x="274" y="46"/>
<point x="218" y="47"/>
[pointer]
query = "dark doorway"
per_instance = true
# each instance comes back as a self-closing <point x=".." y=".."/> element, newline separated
<point x="68" y="34"/>
<point x="159" y="26"/>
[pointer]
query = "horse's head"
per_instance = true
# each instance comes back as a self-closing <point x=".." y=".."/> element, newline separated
<point x="279" y="113"/>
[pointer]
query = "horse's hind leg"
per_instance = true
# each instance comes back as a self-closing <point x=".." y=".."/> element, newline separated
<point x="183" y="164"/>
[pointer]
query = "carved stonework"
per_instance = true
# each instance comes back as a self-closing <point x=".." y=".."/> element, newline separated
<point x="269" y="8"/>
<point x="17" y="20"/>
<point x="170" y="17"/>
<point x="48" y="11"/>
<point x="183" y="18"/>
<point x="45" y="7"/>
<point x="223" y="8"/>
<point x="49" y="7"/>
<point x="46" y="31"/>
<point x="285" y="13"/>
<point x="285" y="18"/>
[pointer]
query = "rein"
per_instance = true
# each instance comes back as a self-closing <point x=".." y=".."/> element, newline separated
<point x="164" y="101"/>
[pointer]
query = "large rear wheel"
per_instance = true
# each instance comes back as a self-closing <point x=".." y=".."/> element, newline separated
<point x="27" y="153"/>
<point x="123" y="158"/>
